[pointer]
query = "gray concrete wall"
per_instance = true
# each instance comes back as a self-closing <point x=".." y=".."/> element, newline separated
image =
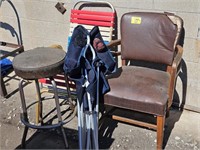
<point x="42" y="25"/>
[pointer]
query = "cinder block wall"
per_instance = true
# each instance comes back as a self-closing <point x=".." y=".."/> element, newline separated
<point x="42" y="25"/>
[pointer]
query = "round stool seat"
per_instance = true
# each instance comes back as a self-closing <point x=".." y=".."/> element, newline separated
<point x="41" y="62"/>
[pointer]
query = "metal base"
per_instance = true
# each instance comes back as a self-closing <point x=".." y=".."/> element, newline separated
<point x="24" y="116"/>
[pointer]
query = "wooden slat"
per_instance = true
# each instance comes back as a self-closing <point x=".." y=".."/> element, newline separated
<point x="131" y="121"/>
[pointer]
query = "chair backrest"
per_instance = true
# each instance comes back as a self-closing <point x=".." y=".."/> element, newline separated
<point x="88" y="18"/>
<point x="150" y="36"/>
<point x="105" y="20"/>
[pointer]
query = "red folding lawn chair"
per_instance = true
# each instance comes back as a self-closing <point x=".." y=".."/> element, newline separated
<point x="82" y="14"/>
<point x="87" y="14"/>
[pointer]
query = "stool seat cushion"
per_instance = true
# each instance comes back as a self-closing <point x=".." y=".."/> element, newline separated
<point x="41" y="62"/>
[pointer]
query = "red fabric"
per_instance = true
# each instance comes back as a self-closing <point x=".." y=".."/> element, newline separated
<point x="92" y="12"/>
<point x="96" y="18"/>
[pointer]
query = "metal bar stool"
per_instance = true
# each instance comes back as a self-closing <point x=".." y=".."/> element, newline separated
<point x="35" y="64"/>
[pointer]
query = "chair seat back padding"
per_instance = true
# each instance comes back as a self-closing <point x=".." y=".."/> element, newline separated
<point x="148" y="36"/>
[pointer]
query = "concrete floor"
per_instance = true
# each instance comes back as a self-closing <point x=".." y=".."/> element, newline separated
<point x="182" y="130"/>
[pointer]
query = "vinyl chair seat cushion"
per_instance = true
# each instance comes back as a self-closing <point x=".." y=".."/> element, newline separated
<point x="39" y="63"/>
<point x="140" y="89"/>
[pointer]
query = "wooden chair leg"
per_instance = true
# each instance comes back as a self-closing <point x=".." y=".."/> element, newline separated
<point x="167" y="112"/>
<point x="160" y="131"/>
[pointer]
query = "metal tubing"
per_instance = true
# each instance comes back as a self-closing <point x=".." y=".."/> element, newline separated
<point x="24" y="112"/>
<point x="64" y="136"/>
<point x="23" y="142"/>
<point x="24" y="115"/>
<point x="56" y="99"/>
<point x="68" y="92"/>
<point x="58" y="110"/>
<point x="94" y="2"/>
<point x="21" y="91"/>
<point x="79" y="126"/>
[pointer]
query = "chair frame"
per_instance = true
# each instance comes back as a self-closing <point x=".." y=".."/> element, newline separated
<point x="88" y="19"/>
<point x="173" y="70"/>
<point x="16" y="49"/>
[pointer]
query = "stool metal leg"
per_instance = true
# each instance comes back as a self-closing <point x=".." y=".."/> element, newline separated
<point x="24" y="112"/>
<point x="58" y="110"/>
<point x="23" y="143"/>
<point x="40" y="105"/>
<point x="69" y="92"/>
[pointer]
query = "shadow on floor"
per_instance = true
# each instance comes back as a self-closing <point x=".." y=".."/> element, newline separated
<point x="175" y="114"/>
<point x="107" y="127"/>
<point x="14" y="91"/>
<point x="52" y="139"/>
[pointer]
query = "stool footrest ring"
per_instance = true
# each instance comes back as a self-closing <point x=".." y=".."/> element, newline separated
<point x="37" y="126"/>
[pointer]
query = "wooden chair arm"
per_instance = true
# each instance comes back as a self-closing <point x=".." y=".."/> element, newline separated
<point x="174" y="71"/>
<point x="115" y="53"/>
<point x="178" y="57"/>
<point x="112" y="44"/>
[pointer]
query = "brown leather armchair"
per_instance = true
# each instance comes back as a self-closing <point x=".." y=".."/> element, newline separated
<point x="150" y="38"/>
